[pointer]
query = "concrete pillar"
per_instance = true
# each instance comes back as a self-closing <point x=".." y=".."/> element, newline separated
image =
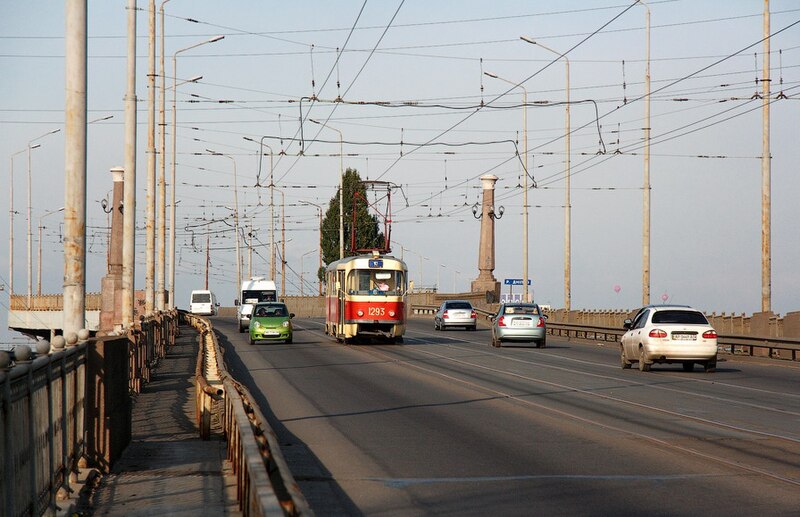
<point x="486" y="282"/>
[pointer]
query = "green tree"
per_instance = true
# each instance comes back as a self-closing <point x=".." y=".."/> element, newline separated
<point x="368" y="234"/>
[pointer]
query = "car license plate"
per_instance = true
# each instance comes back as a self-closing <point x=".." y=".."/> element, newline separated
<point x="679" y="336"/>
<point x="521" y="323"/>
<point x="272" y="333"/>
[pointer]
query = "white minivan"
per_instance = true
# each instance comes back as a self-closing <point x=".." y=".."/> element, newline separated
<point x="203" y="303"/>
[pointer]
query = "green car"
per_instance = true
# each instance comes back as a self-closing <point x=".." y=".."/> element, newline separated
<point x="271" y="321"/>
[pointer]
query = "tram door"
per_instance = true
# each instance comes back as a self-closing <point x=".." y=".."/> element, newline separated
<point x="340" y="278"/>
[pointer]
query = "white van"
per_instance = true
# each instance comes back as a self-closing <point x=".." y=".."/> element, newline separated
<point x="255" y="290"/>
<point x="203" y="303"/>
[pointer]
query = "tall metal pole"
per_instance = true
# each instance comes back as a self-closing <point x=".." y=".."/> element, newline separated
<point x="262" y="145"/>
<point x="319" y="210"/>
<point x="75" y="54"/>
<point x="39" y="251"/>
<point x="162" y="177"/>
<point x="235" y="216"/>
<point x="11" y="214"/>
<point x="150" y="253"/>
<point x="525" y="295"/>
<point x="341" y="186"/>
<point x="29" y="217"/>
<point x="766" y="173"/>
<point x="172" y="220"/>
<point x="129" y="220"/>
<point x="283" y="243"/>
<point x="646" y="185"/>
<point x="567" y="179"/>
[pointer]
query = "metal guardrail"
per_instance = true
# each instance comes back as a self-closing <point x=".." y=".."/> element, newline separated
<point x="733" y="344"/>
<point x="265" y="485"/>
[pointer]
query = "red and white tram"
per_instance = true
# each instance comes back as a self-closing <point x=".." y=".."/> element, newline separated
<point x="365" y="297"/>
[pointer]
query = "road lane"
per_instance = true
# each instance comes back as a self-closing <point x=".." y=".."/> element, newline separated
<point x="447" y="424"/>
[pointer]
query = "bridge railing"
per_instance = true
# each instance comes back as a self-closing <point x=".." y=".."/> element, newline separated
<point x="783" y="348"/>
<point x="265" y="485"/>
<point x="70" y="402"/>
<point x="41" y="426"/>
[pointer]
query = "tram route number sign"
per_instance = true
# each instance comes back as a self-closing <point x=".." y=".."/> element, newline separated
<point x="514" y="281"/>
<point x="377" y="263"/>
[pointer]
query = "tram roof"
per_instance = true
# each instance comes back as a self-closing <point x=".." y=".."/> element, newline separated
<point x="362" y="262"/>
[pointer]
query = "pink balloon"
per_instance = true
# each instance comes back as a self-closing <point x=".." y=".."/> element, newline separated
<point x="664" y="297"/>
<point x="617" y="288"/>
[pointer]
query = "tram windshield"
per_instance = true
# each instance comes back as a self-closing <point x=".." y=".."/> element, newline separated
<point x="378" y="282"/>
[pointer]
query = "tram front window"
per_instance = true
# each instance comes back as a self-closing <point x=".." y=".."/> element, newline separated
<point x="376" y="282"/>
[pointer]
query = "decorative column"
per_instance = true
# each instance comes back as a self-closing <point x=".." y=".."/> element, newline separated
<point x="111" y="284"/>
<point x="486" y="282"/>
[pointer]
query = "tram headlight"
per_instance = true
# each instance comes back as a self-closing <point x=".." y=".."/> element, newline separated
<point x="391" y="314"/>
<point x="360" y="313"/>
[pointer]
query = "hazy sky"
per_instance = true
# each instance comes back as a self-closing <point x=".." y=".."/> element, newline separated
<point x="434" y="125"/>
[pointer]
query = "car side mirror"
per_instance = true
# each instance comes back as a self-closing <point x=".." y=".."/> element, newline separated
<point x="291" y="315"/>
<point x="627" y="324"/>
<point x="236" y="302"/>
<point x="545" y="316"/>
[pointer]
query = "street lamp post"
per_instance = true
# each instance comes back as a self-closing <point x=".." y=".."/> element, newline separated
<point x="302" y="270"/>
<point x="646" y="185"/>
<point x="39" y="253"/>
<point x="30" y="233"/>
<point x="319" y="209"/>
<point x="524" y="182"/>
<point x="271" y="200"/>
<point x="567" y="200"/>
<point x="235" y="216"/>
<point x="11" y="220"/>
<point x="341" y="186"/>
<point x="172" y="173"/>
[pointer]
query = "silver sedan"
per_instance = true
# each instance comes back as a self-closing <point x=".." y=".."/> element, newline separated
<point x="455" y="313"/>
<point x="521" y="322"/>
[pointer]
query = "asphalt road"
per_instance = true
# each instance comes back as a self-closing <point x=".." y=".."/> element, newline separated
<point x="447" y="425"/>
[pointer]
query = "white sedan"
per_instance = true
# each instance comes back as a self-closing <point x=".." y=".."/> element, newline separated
<point x="669" y="334"/>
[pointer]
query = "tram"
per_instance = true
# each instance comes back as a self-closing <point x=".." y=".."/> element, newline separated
<point x="365" y="298"/>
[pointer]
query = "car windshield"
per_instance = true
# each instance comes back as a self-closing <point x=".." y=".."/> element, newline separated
<point x="522" y="309"/>
<point x="271" y="311"/>
<point x="686" y="317"/>
<point x="458" y="305"/>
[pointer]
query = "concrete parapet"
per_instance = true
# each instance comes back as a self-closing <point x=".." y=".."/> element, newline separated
<point x="791" y="325"/>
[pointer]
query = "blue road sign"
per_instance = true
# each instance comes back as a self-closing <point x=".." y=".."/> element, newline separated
<point x="514" y="281"/>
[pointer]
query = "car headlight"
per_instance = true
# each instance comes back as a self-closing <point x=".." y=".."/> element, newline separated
<point x="256" y="324"/>
<point x="285" y="323"/>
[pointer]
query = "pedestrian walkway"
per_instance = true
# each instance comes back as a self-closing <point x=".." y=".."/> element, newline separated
<point x="167" y="469"/>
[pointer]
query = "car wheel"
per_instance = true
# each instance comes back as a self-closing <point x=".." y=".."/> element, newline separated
<point x="241" y="330"/>
<point x="398" y="340"/>
<point x="710" y="366"/>
<point x="644" y="366"/>
<point x="252" y="341"/>
<point x="688" y="366"/>
<point x="541" y="343"/>
<point x="623" y="359"/>
<point x="473" y="327"/>
<point x="289" y="341"/>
